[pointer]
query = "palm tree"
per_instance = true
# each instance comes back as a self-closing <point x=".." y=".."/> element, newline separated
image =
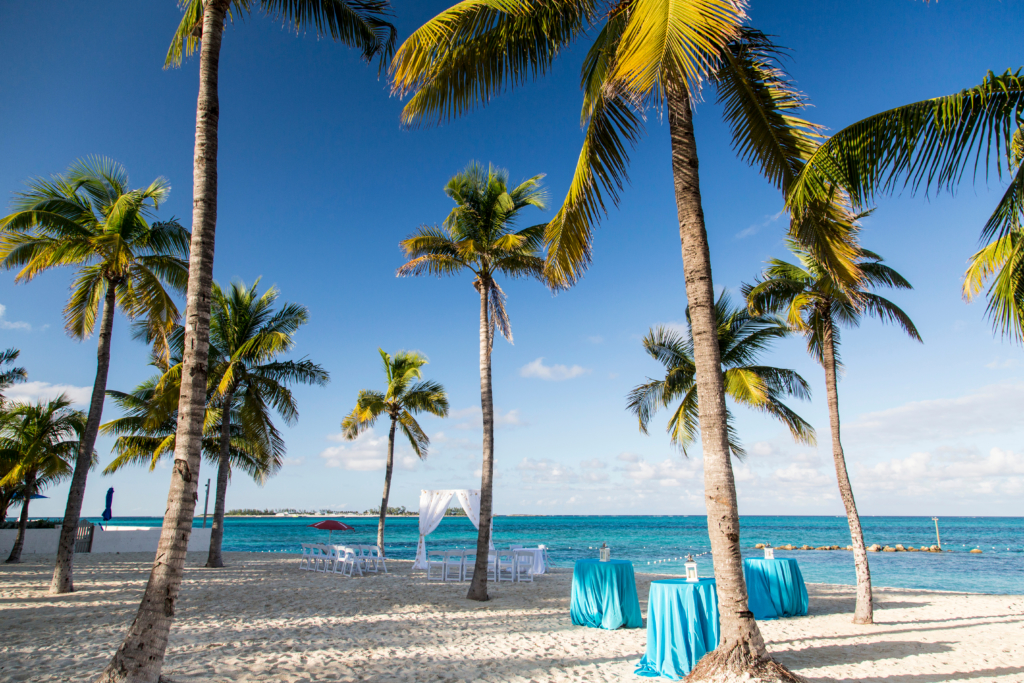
<point x="91" y="219"/>
<point x="146" y="431"/>
<point x="930" y="145"/>
<point x="403" y="398"/>
<point x="246" y="337"/>
<point x="39" y="443"/>
<point x="817" y="306"/>
<point x="646" y="54"/>
<point x="12" y="375"/>
<point x="358" y="23"/>
<point x="479" y="236"/>
<point x="742" y="338"/>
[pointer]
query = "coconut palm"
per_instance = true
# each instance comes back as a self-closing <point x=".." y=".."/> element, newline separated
<point x="930" y="145"/>
<point x="146" y="430"/>
<point x="92" y="220"/>
<point x="39" y="443"/>
<point x="11" y="375"/>
<point x="742" y="338"/>
<point x="479" y="235"/>
<point x="358" y="23"/>
<point x="403" y="398"/>
<point x="817" y="306"/>
<point x="646" y="54"/>
<point x="247" y="336"/>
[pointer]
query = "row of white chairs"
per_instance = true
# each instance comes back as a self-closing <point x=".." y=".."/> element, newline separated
<point x="346" y="560"/>
<point x="458" y="565"/>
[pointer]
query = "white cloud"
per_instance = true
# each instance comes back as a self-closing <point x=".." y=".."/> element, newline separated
<point x="551" y="373"/>
<point x="990" y="410"/>
<point x="546" y="471"/>
<point x="43" y="391"/>
<point x="956" y="473"/>
<point x="12" y="325"/>
<point x="367" y="453"/>
<point x="668" y="472"/>
<point x="757" y="227"/>
<point x="1007" y="364"/>
<point x="294" y="462"/>
<point x="474" y="418"/>
<point x="628" y="457"/>
<point x="595" y="464"/>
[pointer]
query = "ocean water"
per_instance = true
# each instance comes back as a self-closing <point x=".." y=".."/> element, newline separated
<point x="660" y="544"/>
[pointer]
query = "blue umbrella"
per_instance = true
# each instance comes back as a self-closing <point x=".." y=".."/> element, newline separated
<point x="19" y="495"/>
<point x="107" y="514"/>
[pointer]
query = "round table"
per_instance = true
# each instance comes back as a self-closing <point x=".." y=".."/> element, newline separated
<point x="775" y="588"/>
<point x="604" y="595"/>
<point x="682" y="627"/>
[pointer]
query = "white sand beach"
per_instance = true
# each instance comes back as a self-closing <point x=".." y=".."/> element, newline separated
<point x="261" y="619"/>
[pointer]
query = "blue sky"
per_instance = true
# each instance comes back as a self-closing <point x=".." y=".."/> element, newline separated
<point x="318" y="183"/>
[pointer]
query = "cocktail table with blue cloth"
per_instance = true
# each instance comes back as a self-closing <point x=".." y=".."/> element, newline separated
<point x="604" y="595"/>
<point x="775" y="588"/>
<point x="682" y="626"/>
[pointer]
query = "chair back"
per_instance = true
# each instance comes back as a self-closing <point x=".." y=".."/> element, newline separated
<point x="515" y="547"/>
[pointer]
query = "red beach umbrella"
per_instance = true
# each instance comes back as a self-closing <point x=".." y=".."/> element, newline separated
<point x="330" y="526"/>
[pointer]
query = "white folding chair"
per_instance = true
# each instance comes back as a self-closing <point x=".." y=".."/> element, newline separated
<point x="347" y="563"/>
<point x="545" y="562"/>
<point x="377" y="559"/>
<point x="366" y="556"/>
<point x="492" y="567"/>
<point x="435" y="560"/>
<point x="515" y="547"/>
<point x="304" y="560"/>
<point x="319" y="558"/>
<point x="468" y="564"/>
<point x="454" y="563"/>
<point x="506" y="566"/>
<point x="524" y="566"/>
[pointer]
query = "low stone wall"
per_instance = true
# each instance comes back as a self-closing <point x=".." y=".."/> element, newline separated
<point x="110" y="540"/>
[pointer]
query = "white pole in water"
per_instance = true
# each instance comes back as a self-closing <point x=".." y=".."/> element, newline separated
<point x="938" y="540"/>
<point x="206" y="505"/>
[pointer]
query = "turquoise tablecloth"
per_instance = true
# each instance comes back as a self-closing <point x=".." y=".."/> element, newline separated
<point x="604" y="595"/>
<point x="775" y="588"/>
<point x="682" y="627"/>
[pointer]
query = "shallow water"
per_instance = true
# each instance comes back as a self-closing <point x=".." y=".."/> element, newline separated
<point x="661" y="543"/>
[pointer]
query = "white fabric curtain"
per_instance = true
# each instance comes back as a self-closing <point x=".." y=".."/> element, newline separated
<point x="433" y="505"/>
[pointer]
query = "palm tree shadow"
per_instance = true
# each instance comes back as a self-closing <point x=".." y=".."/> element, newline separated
<point x="854" y="653"/>
<point x="930" y="677"/>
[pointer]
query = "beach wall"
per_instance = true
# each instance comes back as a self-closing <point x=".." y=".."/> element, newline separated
<point x="109" y="540"/>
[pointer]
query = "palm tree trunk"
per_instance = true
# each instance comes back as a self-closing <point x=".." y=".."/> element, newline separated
<point x="387" y="487"/>
<point x="140" y="657"/>
<point x="5" y="504"/>
<point x="478" y="588"/>
<point x="19" y="542"/>
<point x="864" y="611"/>
<point x="214" y="559"/>
<point x="741" y="648"/>
<point x="63" y="580"/>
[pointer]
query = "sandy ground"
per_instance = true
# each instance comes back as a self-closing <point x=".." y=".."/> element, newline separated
<point x="260" y="619"/>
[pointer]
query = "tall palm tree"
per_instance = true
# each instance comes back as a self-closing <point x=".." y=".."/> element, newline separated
<point x="11" y="375"/>
<point x="479" y="235"/>
<point x="247" y="335"/>
<point x="742" y="338"/>
<point x="646" y="54"/>
<point x="358" y="23"/>
<point x="403" y="398"/>
<point x="40" y="443"/>
<point x="91" y="219"/>
<point x="930" y="145"/>
<point x="817" y="306"/>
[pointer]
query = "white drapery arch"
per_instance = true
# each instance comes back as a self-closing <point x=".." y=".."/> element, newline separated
<point x="433" y="505"/>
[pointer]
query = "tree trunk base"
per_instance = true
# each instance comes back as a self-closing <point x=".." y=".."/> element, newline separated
<point x="864" y="621"/>
<point x="12" y="561"/>
<point x="737" y="664"/>
<point x="211" y="564"/>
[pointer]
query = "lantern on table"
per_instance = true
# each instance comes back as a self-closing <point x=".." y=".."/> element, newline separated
<point x="769" y="552"/>
<point x="606" y="552"/>
<point x="691" y="569"/>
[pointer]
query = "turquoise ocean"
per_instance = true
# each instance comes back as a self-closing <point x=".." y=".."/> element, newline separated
<point x="660" y="544"/>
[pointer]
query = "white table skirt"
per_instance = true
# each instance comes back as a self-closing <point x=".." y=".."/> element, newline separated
<point x="538" y="559"/>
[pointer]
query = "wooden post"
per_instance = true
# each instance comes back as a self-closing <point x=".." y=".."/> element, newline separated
<point x="206" y="505"/>
<point x="938" y="540"/>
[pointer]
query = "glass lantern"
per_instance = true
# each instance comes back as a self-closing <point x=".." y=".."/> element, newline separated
<point x="691" y="569"/>
<point x="769" y="552"/>
<point x="606" y="552"/>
